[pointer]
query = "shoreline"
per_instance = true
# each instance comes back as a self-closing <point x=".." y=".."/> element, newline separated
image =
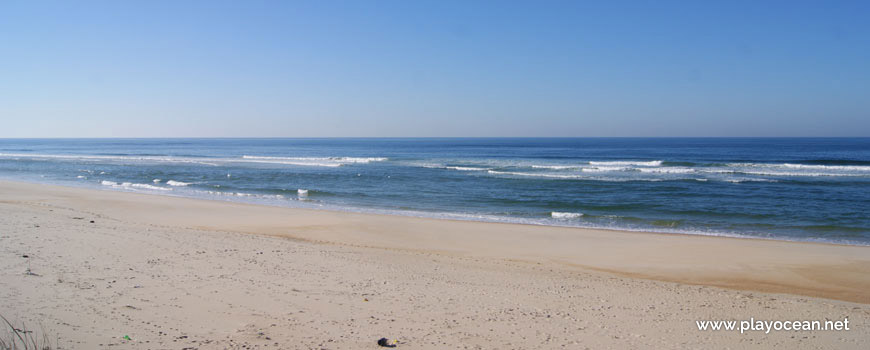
<point x="816" y="269"/>
<point x="446" y="216"/>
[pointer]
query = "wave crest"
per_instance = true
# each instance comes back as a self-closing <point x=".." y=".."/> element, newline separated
<point x="627" y="163"/>
<point x="313" y="161"/>
<point x="565" y="215"/>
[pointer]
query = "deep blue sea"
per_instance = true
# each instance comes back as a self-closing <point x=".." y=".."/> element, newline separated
<point x="814" y="189"/>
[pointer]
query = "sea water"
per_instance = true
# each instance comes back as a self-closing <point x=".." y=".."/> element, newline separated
<point x="812" y="189"/>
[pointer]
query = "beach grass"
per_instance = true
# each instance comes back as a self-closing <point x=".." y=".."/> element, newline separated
<point x="21" y="338"/>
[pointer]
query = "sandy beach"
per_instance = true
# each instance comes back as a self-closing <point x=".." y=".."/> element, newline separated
<point x="179" y="273"/>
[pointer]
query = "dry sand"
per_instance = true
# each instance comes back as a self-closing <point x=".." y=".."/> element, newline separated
<point x="175" y="273"/>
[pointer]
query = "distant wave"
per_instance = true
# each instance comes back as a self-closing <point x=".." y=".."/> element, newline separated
<point x="666" y="170"/>
<point x="643" y="170"/>
<point x="300" y="161"/>
<point x="828" y="167"/>
<point x="803" y="166"/>
<point x="555" y="176"/>
<point x="629" y="163"/>
<point x="177" y="183"/>
<point x="793" y="170"/>
<point x="165" y="159"/>
<point x="335" y="159"/>
<point x="793" y="174"/>
<point x="741" y="180"/>
<point x="602" y="169"/>
<point x="313" y="161"/>
<point x="556" y="167"/>
<point x="450" y="167"/>
<point x="583" y="177"/>
<point x="518" y="167"/>
<point x="463" y="168"/>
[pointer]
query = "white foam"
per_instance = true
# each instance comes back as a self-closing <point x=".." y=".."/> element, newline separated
<point x="312" y="161"/>
<point x="156" y="181"/>
<point x="556" y="167"/>
<point x="168" y="159"/>
<point x="718" y="171"/>
<point x="627" y="163"/>
<point x="782" y="170"/>
<point x="554" y="176"/>
<point x="218" y="193"/>
<point x="361" y="160"/>
<point x="177" y="183"/>
<point x="241" y="194"/>
<point x="604" y="169"/>
<point x="303" y="161"/>
<point x="667" y="170"/>
<point x="81" y="177"/>
<point x="302" y="193"/>
<point x="797" y="174"/>
<point x="794" y="170"/>
<point x="578" y="177"/>
<point x="451" y="167"/>
<point x="741" y="180"/>
<point x="828" y="167"/>
<point x="299" y="162"/>
<point x="563" y="215"/>
<point x="650" y="169"/>
<point x="130" y="185"/>
<point x="149" y="187"/>
<point x="463" y="168"/>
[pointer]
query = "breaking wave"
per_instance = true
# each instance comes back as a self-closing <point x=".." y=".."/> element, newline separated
<point x="313" y="161"/>
<point x="130" y="185"/>
<point x="564" y="215"/>
<point x="627" y="163"/>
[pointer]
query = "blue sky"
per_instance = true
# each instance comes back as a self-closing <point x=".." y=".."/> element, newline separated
<point x="440" y="68"/>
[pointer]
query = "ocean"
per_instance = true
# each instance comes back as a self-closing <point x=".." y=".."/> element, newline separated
<point x="804" y="189"/>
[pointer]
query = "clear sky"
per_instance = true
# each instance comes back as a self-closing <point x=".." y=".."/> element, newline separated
<point x="439" y="68"/>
